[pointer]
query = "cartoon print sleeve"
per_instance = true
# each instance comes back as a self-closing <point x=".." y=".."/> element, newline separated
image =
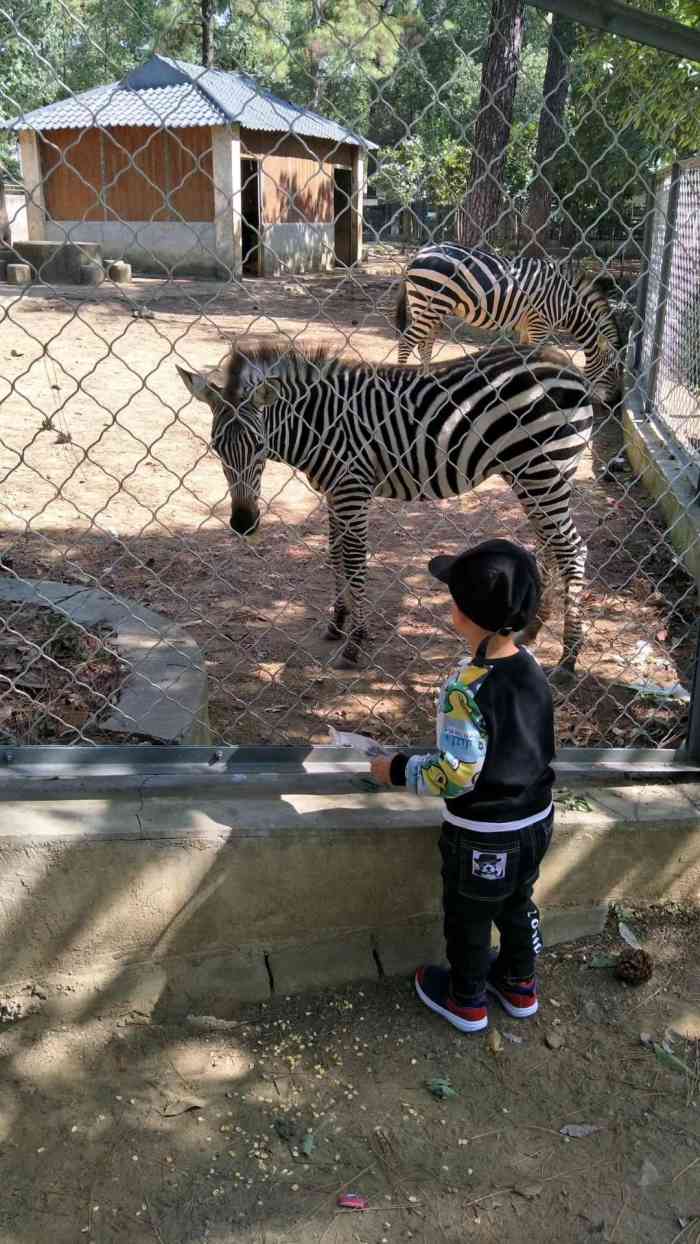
<point x="454" y="768"/>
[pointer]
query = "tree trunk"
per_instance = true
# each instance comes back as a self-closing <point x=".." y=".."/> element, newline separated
<point x="208" y="33"/>
<point x="550" y="135"/>
<point x="499" y="78"/>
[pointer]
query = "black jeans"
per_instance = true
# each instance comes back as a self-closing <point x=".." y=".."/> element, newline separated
<point x="488" y="878"/>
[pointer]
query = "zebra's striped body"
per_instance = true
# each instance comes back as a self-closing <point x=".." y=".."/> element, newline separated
<point x="528" y="295"/>
<point x="359" y="432"/>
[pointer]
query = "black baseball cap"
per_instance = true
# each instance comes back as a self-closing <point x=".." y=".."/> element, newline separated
<point x="496" y="584"/>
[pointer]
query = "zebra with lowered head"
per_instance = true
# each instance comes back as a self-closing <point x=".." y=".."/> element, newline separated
<point x="530" y="296"/>
<point x="359" y="431"/>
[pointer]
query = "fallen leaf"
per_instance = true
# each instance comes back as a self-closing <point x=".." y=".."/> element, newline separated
<point x="494" y="1041"/>
<point x="308" y="1144"/>
<point x="510" y="1036"/>
<point x="181" y="1105"/>
<point x="441" y="1088"/>
<point x="628" y="936"/>
<point x="667" y="1059"/>
<point x="648" y="1174"/>
<point x="602" y="961"/>
<point x="579" y="1130"/>
<point x="529" y="1191"/>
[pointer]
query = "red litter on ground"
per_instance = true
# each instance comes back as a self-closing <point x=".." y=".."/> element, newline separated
<point x="352" y="1200"/>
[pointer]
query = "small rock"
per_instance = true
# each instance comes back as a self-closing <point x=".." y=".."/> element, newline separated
<point x="554" y="1040"/>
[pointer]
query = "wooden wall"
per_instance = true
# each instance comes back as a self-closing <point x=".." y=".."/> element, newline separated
<point x="296" y="175"/>
<point x="135" y="166"/>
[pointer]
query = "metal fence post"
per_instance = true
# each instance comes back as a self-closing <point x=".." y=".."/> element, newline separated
<point x="647" y="241"/>
<point x="666" y="258"/>
<point x="692" y="742"/>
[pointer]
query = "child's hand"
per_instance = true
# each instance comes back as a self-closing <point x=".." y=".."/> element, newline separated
<point x="380" y="769"/>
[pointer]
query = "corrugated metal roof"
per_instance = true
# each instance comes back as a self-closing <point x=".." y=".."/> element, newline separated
<point x="175" y="106"/>
<point x="176" y="94"/>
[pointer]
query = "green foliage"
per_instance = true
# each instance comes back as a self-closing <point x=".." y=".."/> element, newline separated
<point x="406" y="73"/>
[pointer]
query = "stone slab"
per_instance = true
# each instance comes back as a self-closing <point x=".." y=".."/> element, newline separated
<point x="164" y="695"/>
<point x="316" y="965"/>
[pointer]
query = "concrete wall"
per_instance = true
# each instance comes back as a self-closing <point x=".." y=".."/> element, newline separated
<point x="299" y="248"/>
<point x="196" y="901"/>
<point x="15" y="201"/>
<point x="149" y="246"/>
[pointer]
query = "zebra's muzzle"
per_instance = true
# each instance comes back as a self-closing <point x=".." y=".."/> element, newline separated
<point x="244" y="521"/>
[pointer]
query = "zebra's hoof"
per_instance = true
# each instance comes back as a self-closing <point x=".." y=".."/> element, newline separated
<point x="563" y="675"/>
<point x="332" y="632"/>
<point x="341" y="662"/>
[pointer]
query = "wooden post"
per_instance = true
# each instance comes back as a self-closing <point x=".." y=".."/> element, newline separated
<point x="226" y="172"/>
<point x="358" y="200"/>
<point x="30" y="160"/>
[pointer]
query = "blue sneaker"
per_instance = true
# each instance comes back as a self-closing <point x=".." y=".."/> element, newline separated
<point x="433" y="988"/>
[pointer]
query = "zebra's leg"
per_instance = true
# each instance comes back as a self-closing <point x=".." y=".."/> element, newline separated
<point x="425" y="349"/>
<point x="353" y="511"/>
<point x="336" y="626"/>
<point x="405" y="347"/>
<point x="546" y="499"/>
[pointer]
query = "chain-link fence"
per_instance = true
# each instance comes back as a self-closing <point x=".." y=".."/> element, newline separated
<point x="158" y="213"/>
<point x="671" y="316"/>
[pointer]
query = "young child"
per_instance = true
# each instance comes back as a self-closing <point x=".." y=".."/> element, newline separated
<point x="495" y="738"/>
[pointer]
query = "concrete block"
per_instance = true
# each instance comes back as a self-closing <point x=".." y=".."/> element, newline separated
<point x="92" y="274"/>
<point x="18" y="274"/>
<point x="57" y="262"/>
<point x="319" y="964"/>
<point x="403" y="947"/>
<point x="120" y="272"/>
<point x="567" y="924"/>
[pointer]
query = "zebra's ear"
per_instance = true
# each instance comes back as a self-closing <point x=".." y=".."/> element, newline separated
<point x="202" y="386"/>
<point x="265" y="393"/>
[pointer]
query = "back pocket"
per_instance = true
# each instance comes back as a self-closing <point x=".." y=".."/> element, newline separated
<point x="488" y="873"/>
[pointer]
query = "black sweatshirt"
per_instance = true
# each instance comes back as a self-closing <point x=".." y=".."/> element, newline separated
<point x="495" y="738"/>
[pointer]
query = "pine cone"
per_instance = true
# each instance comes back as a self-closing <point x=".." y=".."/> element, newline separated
<point x="635" y="967"/>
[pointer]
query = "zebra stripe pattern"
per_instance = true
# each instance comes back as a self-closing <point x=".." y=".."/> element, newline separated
<point x="530" y="296"/>
<point x="359" y="431"/>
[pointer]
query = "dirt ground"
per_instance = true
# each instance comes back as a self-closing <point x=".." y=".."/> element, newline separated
<point x="245" y="1132"/>
<point x="107" y="480"/>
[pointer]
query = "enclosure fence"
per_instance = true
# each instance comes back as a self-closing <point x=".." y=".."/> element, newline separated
<point x="159" y="212"/>
<point x="671" y="338"/>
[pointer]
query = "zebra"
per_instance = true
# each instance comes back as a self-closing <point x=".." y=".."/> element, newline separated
<point x="531" y="296"/>
<point x="359" y="431"/>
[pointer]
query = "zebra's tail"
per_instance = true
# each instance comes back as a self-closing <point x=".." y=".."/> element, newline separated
<point x="402" y="309"/>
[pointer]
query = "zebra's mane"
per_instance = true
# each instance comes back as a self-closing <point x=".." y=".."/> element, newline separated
<point x="593" y="290"/>
<point x="269" y="355"/>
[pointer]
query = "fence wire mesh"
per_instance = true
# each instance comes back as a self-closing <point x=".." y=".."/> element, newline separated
<point x="673" y="339"/>
<point x="157" y="213"/>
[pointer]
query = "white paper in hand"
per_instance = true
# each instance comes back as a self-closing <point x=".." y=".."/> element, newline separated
<point x="359" y="743"/>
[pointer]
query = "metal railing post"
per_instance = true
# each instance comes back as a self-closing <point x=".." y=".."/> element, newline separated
<point x="666" y="258"/>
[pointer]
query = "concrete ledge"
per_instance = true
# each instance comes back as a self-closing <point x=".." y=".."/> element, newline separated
<point x="186" y="903"/>
<point x="164" y="695"/>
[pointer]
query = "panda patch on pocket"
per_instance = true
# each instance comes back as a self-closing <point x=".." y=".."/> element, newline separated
<point x="489" y="865"/>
